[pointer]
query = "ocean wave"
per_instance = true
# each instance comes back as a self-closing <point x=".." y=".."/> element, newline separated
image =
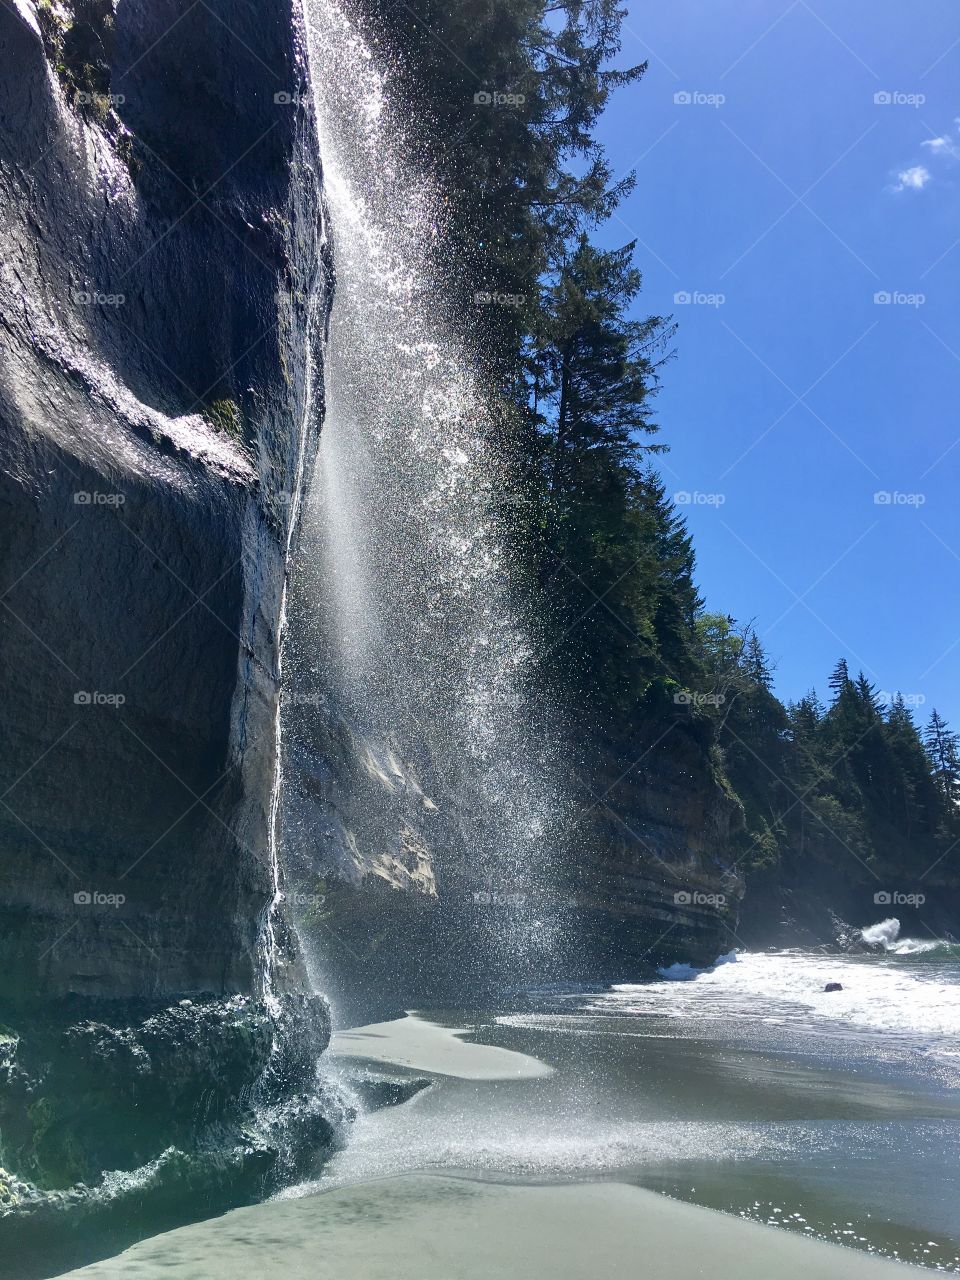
<point x="686" y="972"/>
<point x="886" y="935"/>
<point x="910" y="997"/>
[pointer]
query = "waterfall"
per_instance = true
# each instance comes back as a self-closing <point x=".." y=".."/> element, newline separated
<point x="270" y="958"/>
<point x="297" y="1124"/>
<point x="404" y="541"/>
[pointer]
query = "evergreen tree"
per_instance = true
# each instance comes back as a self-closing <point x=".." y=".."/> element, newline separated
<point x="943" y="749"/>
<point x="869" y="699"/>
<point x="805" y="725"/>
<point x="914" y="800"/>
<point x="757" y="665"/>
<point x="839" y="679"/>
<point x="609" y="533"/>
<point x="521" y="175"/>
<point x="595" y="368"/>
<point x="671" y="591"/>
<point x="805" y="717"/>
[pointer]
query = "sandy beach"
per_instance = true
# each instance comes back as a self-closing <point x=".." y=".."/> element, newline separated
<point x="430" y="1228"/>
<point x="440" y="1227"/>
<point x="420" y="1045"/>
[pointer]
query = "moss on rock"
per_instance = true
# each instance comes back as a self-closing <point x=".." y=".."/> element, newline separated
<point x="225" y="416"/>
<point x="78" y="38"/>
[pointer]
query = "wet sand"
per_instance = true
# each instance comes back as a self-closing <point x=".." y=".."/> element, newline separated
<point x="432" y="1228"/>
<point x="439" y="1227"/>
<point x="424" y="1046"/>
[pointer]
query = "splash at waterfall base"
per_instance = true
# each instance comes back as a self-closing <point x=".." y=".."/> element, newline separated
<point x="208" y="1102"/>
<point x="384" y="949"/>
<point x="399" y="912"/>
<point x="744" y="1090"/>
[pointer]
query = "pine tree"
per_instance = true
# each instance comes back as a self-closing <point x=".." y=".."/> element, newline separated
<point x="805" y="717"/>
<point x="521" y="179"/>
<point x="839" y="678"/>
<point x="868" y="697"/>
<point x="943" y="749"/>
<point x="914" y="799"/>
<point x="596" y="368"/>
<point x="805" y="723"/>
<point x="758" y="668"/>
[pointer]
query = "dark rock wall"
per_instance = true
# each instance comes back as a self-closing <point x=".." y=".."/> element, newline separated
<point x="160" y="247"/>
<point x="164" y="283"/>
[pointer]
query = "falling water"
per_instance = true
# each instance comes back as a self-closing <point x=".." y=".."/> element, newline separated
<point x="296" y="1124"/>
<point x="270" y="957"/>
<point x="423" y="641"/>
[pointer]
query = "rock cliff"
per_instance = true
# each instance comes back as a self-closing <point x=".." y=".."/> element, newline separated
<point x="165" y="280"/>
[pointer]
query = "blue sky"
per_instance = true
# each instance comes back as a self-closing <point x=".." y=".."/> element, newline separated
<point x="781" y="182"/>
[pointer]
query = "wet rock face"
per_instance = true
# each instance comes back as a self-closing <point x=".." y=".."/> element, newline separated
<point x="194" y="1108"/>
<point x="98" y="1095"/>
<point x="163" y="289"/>
<point x="153" y="402"/>
<point x="111" y="1095"/>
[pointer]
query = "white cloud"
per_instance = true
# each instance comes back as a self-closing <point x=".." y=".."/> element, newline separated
<point x="912" y="179"/>
<point x="942" y="146"/>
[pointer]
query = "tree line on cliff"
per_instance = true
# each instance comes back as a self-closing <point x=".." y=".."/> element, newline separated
<point x="507" y="95"/>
